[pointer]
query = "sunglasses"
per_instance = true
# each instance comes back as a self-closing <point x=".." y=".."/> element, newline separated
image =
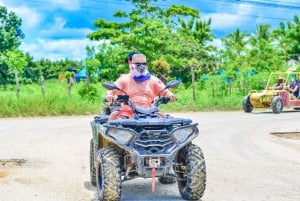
<point x="140" y="64"/>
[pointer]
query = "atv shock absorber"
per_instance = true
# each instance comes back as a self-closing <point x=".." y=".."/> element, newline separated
<point x="128" y="165"/>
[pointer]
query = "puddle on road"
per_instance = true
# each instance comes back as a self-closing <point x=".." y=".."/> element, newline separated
<point x="8" y="163"/>
<point x="3" y="174"/>
<point x="12" y="162"/>
<point x="289" y="135"/>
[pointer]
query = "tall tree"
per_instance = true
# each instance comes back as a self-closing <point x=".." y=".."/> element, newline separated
<point x="10" y="37"/>
<point x="264" y="54"/>
<point x="193" y="36"/>
<point x="147" y="28"/>
<point x="141" y="29"/>
<point x="10" y="30"/>
<point x="234" y="60"/>
<point x="235" y="45"/>
<point x="16" y="61"/>
<point x="294" y="36"/>
<point x="283" y="41"/>
<point x="92" y="66"/>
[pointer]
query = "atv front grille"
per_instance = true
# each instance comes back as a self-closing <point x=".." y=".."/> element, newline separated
<point x="154" y="142"/>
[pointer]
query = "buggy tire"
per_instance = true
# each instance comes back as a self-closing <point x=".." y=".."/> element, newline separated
<point x="108" y="174"/>
<point x="247" y="105"/>
<point x="277" y="105"/>
<point x="92" y="164"/>
<point x="192" y="178"/>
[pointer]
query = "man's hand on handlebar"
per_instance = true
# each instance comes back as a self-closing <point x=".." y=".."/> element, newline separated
<point x="172" y="98"/>
<point x="110" y="99"/>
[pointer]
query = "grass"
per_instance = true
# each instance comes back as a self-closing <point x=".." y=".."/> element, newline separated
<point x="56" y="101"/>
<point x="203" y="102"/>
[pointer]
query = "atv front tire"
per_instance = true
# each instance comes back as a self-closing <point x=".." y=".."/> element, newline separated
<point x="191" y="177"/>
<point x="108" y="175"/>
<point x="247" y="105"/>
<point x="277" y="105"/>
<point x="92" y="166"/>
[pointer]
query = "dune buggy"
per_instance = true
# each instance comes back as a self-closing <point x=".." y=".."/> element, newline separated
<point x="276" y="99"/>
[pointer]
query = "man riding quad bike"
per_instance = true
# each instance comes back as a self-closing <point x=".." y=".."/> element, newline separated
<point x="146" y="145"/>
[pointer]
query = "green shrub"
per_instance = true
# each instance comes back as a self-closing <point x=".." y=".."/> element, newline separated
<point x="89" y="92"/>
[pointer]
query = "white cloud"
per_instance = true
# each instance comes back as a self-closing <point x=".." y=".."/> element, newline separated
<point x="59" y="30"/>
<point x="30" y="18"/>
<point x="236" y="17"/>
<point x="58" y="49"/>
<point x="66" y="4"/>
<point x="52" y="41"/>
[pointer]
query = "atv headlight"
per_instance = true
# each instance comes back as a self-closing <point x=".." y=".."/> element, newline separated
<point x="122" y="136"/>
<point x="182" y="134"/>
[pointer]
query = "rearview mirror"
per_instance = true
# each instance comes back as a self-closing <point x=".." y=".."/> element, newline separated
<point x="171" y="84"/>
<point x="110" y="86"/>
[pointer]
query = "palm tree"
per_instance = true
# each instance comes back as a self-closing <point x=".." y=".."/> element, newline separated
<point x="262" y="54"/>
<point x="236" y="43"/>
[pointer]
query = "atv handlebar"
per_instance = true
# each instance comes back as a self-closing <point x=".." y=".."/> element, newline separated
<point x="161" y="100"/>
<point x="125" y="99"/>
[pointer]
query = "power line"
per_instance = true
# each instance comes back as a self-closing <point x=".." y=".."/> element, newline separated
<point x="232" y="2"/>
<point x="73" y="6"/>
<point x="224" y="2"/>
<point x="263" y="3"/>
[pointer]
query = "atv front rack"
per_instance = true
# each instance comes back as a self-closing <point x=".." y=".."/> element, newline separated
<point x="150" y="122"/>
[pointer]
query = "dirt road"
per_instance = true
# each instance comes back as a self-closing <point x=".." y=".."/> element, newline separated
<point x="46" y="159"/>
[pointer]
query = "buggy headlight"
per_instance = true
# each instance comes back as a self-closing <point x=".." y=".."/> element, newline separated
<point x="122" y="136"/>
<point x="182" y="134"/>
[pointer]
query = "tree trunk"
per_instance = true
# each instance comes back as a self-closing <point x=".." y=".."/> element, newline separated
<point x="193" y="83"/>
<point x="163" y="78"/>
<point x="213" y="89"/>
<point x="17" y="82"/>
<point x="42" y="81"/>
<point x="70" y="84"/>
<point x="88" y="79"/>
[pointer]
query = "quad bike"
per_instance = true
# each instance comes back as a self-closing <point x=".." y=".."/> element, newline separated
<point x="148" y="146"/>
<point x="277" y="100"/>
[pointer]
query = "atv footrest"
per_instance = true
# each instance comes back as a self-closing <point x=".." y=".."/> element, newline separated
<point x="101" y="118"/>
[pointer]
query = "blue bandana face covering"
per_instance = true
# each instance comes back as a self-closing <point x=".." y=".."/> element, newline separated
<point x="142" y="78"/>
<point x="140" y="72"/>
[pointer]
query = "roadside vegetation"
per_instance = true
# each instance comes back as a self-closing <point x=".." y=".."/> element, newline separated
<point x="178" y="44"/>
<point x="56" y="101"/>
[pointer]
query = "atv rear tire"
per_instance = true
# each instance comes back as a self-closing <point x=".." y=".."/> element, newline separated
<point x="247" y="105"/>
<point x="108" y="175"/>
<point x="92" y="166"/>
<point x="191" y="177"/>
<point x="277" y="105"/>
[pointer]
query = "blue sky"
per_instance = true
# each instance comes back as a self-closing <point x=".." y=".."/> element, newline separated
<point x="57" y="29"/>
